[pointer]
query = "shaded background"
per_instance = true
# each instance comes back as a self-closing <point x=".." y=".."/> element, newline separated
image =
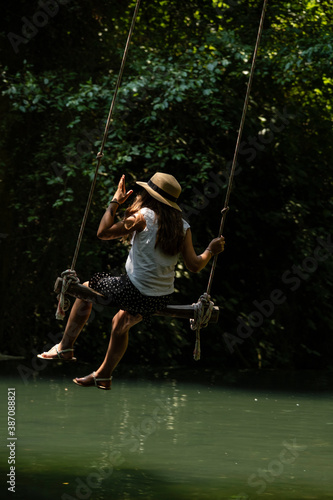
<point x="178" y="111"/>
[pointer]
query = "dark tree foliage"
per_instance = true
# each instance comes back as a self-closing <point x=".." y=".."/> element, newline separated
<point x="178" y="111"/>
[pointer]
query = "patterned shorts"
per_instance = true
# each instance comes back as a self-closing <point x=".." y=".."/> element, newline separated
<point x="120" y="292"/>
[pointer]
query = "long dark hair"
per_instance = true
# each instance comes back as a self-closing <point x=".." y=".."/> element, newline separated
<point x="170" y="234"/>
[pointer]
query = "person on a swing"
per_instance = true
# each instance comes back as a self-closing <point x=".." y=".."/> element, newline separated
<point x="159" y="235"/>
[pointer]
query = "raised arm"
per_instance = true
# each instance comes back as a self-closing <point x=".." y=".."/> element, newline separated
<point x="194" y="262"/>
<point x="108" y="229"/>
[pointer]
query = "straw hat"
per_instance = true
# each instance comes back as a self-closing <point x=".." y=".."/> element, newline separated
<point x="164" y="188"/>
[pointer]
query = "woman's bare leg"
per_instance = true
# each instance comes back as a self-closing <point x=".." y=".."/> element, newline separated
<point x="121" y="324"/>
<point x="78" y="317"/>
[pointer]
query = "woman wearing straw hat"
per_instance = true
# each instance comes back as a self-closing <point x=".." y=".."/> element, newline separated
<point x="158" y="235"/>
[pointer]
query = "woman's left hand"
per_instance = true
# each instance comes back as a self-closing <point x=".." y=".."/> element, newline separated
<point x="216" y="246"/>
<point x="120" y="195"/>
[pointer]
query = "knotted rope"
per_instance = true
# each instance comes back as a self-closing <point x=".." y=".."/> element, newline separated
<point x="69" y="276"/>
<point x="202" y="313"/>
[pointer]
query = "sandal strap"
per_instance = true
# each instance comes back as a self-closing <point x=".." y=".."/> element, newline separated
<point x="96" y="379"/>
<point x="61" y="352"/>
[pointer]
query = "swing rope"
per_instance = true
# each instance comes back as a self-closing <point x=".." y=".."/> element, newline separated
<point x="238" y="142"/>
<point x="202" y="314"/>
<point x="107" y="126"/>
<point x="69" y="276"/>
<point x="204" y="304"/>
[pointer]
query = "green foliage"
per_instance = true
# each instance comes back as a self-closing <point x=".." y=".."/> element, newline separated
<point x="178" y="110"/>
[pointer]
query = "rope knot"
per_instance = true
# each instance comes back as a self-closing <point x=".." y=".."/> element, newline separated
<point x="202" y="313"/>
<point x="69" y="276"/>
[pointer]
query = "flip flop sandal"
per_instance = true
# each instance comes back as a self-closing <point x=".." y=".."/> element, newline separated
<point x="94" y="382"/>
<point x="58" y="355"/>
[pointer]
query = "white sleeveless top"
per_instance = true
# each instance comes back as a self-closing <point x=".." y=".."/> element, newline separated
<point x="151" y="271"/>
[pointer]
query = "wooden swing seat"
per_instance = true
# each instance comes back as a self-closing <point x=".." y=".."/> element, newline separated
<point x="85" y="293"/>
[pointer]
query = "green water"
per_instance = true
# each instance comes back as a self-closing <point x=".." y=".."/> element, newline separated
<point x="165" y="440"/>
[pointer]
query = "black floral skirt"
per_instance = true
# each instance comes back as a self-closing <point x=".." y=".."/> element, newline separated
<point x="120" y="292"/>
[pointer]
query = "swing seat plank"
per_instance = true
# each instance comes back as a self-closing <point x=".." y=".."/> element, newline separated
<point x="85" y="293"/>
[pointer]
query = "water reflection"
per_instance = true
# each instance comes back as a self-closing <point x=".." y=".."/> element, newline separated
<point x="162" y="440"/>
